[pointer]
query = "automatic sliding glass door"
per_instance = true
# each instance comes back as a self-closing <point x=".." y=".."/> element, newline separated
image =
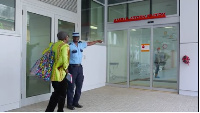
<point x="165" y="47"/>
<point x="154" y="64"/>
<point x="140" y="40"/>
<point x="150" y="62"/>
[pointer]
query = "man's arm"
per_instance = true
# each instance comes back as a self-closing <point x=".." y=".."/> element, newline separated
<point x="94" y="42"/>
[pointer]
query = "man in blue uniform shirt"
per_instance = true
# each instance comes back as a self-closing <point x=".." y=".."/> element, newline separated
<point x="76" y="69"/>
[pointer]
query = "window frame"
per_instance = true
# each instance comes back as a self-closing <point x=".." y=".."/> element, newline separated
<point x="66" y="19"/>
<point x="100" y="2"/>
<point x="124" y="2"/>
<point x="18" y="16"/>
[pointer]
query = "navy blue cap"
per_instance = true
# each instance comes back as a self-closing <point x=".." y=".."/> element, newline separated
<point x="75" y="34"/>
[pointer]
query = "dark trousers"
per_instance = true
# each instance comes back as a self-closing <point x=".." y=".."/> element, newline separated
<point x="157" y="68"/>
<point x="58" y="96"/>
<point x="77" y="79"/>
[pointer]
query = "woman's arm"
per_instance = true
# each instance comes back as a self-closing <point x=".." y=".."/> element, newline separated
<point x="65" y="57"/>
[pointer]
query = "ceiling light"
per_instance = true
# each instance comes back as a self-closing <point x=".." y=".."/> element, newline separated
<point x="93" y="27"/>
<point x="168" y="27"/>
<point x="133" y="29"/>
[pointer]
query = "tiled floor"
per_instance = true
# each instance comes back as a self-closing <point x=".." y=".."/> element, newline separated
<point x="114" y="99"/>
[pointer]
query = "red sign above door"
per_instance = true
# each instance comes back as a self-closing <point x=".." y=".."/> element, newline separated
<point x="141" y="17"/>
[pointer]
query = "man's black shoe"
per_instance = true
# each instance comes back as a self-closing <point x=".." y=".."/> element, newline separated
<point x="70" y="107"/>
<point x="60" y="111"/>
<point x="77" y="105"/>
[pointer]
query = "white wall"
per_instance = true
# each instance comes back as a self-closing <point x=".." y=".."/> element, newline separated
<point x="94" y="67"/>
<point x="9" y="72"/>
<point x="11" y="48"/>
<point x="189" y="21"/>
<point x="188" y="84"/>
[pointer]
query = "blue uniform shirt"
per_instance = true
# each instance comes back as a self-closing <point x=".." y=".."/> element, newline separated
<point x="76" y="52"/>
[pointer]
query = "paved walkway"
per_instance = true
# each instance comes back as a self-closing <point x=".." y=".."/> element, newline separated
<point x="114" y="99"/>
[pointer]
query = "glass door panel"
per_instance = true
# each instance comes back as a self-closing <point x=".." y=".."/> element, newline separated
<point x="38" y="38"/>
<point x="140" y="40"/>
<point x="117" y="57"/>
<point x="67" y="27"/>
<point x="165" y="41"/>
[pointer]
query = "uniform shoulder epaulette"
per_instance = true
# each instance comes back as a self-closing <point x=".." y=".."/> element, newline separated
<point x="79" y="42"/>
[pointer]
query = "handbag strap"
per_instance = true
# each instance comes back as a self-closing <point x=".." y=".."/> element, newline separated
<point x="51" y="46"/>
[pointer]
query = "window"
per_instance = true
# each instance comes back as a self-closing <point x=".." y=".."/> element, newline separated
<point x="7" y="15"/>
<point x="139" y="8"/>
<point x="67" y="27"/>
<point x="164" y="6"/>
<point x="92" y="21"/>
<point x="118" y="11"/>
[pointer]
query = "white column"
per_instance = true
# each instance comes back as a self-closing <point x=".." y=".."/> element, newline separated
<point x="188" y="84"/>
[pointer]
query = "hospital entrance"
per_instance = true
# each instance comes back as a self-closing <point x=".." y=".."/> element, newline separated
<point x="143" y="56"/>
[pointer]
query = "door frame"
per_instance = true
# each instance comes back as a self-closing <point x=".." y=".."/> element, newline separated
<point x="64" y="18"/>
<point x="54" y="13"/>
<point x="54" y="29"/>
<point x="178" y="56"/>
<point x="107" y="70"/>
<point x="151" y="57"/>
<point x="142" y="27"/>
<point x="174" y="21"/>
<point x="34" y="99"/>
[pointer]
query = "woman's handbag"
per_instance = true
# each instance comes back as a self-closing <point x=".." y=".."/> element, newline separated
<point x="43" y="66"/>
